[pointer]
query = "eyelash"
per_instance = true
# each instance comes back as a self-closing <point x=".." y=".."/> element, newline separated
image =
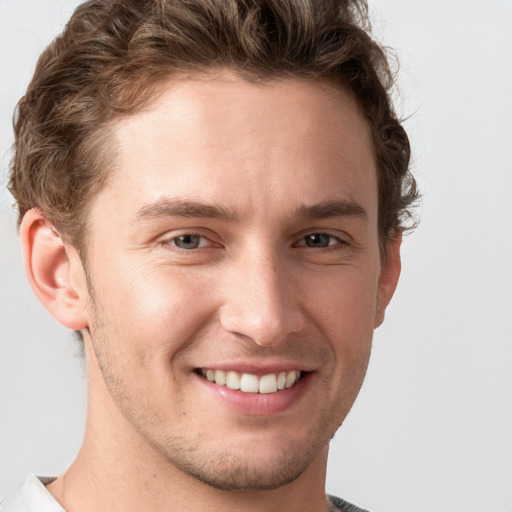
<point x="338" y="242"/>
<point x="330" y="246"/>
<point x="173" y="242"/>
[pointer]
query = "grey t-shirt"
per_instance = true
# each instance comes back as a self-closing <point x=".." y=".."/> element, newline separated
<point x="34" y="497"/>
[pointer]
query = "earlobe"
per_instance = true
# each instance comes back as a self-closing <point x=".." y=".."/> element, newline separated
<point x="388" y="279"/>
<point x="54" y="271"/>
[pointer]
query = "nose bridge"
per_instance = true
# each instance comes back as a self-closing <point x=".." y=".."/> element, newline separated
<point x="260" y="302"/>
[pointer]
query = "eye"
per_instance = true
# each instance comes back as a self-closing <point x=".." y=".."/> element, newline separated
<point x="189" y="241"/>
<point x="320" y="240"/>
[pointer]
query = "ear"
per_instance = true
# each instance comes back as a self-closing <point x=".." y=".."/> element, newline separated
<point x="388" y="279"/>
<point x="54" y="271"/>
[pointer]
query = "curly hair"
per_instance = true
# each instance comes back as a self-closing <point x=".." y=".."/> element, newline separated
<point x="114" y="54"/>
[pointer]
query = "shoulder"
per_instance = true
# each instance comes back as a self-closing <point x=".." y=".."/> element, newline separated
<point x="31" y="497"/>
<point x="340" y="505"/>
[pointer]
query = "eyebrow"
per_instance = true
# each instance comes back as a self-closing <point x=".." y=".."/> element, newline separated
<point x="334" y="208"/>
<point x="179" y="208"/>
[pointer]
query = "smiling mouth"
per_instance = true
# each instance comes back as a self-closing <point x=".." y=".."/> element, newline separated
<point x="249" y="383"/>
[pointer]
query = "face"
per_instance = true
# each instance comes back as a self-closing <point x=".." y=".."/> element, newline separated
<point x="235" y="277"/>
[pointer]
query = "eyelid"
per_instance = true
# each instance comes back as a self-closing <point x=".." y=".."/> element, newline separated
<point x="201" y="241"/>
<point x="339" y="239"/>
<point x="168" y="239"/>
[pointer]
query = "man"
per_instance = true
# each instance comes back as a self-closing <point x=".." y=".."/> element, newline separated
<point x="212" y="194"/>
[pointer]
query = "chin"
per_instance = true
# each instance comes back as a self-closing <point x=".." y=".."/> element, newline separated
<point x="261" y="466"/>
<point x="232" y="474"/>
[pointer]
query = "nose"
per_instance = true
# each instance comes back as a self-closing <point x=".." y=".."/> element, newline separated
<point x="261" y="300"/>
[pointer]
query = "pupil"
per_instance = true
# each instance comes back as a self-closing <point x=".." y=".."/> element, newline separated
<point x="187" y="241"/>
<point x="317" y="240"/>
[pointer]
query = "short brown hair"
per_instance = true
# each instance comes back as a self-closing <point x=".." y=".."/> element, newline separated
<point x="113" y="54"/>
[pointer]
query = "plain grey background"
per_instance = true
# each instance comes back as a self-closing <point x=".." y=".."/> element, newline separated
<point x="432" y="428"/>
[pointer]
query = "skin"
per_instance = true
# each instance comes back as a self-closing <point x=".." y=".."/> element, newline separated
<point x="289" y="276"/>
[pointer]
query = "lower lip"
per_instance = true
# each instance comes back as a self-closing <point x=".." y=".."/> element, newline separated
<point x="258" y="404"/>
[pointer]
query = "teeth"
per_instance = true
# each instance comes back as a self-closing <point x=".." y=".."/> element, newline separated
<point x="268" y="384"/>
<point x="220" y="378"/>
<point x="249" y="383"/>
<point x="233" y="380"/>
<point x="291" y="379"/>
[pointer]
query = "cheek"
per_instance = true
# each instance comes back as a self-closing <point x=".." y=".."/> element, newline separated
<point x="345" y="303"/>
<point x="344" y="311"/>
<point x="152" y="311"/>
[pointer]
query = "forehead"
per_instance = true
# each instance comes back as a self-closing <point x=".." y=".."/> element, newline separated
<point x="288" y="140"/>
